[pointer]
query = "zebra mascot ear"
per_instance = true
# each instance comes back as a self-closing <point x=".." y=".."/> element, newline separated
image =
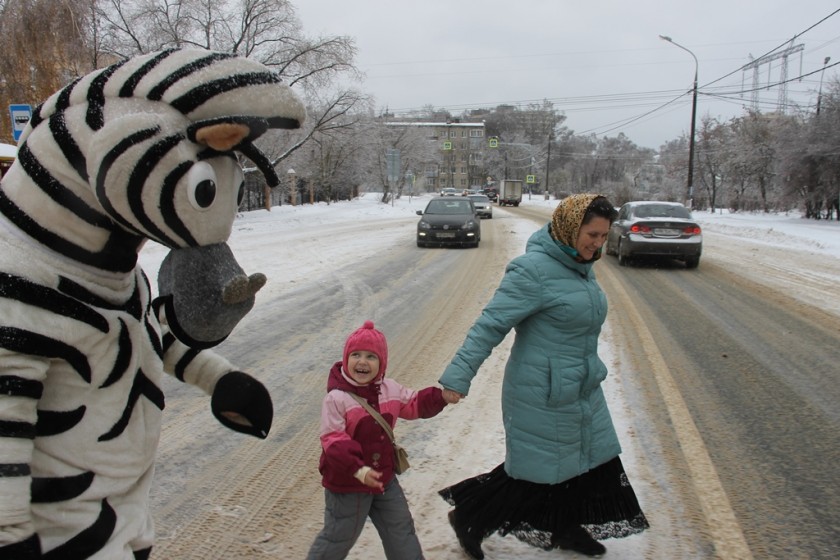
<point x="222" y="137"/>
<point x="238" y="133"/>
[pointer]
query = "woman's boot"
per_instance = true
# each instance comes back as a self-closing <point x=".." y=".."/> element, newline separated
<point x="578" y="539"/>
<point x="469" y="540"/>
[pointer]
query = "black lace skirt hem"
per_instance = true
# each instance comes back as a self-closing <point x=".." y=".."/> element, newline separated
<point x="601" y="500"/>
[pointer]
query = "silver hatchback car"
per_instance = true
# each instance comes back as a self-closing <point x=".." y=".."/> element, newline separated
<point x="655" y="229"/>
<point x="483" y="206"/>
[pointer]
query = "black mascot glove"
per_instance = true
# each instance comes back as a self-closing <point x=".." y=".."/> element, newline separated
<point x="25" y="550"/>
<point x="242" y="403"/>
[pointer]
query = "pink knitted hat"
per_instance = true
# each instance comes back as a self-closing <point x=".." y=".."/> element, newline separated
<point x="370" y="339"/>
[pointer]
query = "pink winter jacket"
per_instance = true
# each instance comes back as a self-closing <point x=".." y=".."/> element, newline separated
<point x="351" y="438"/>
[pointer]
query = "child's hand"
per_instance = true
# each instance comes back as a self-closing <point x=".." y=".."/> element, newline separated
<point x="372" y="479"/>
<point x="451" y="397"/>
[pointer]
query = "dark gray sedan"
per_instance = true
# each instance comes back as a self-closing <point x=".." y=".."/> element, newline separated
<point x="449" y="221"/>
<point x="655" y="229"/>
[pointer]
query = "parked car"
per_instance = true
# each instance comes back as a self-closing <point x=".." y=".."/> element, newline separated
<point x="655" y="229"/>
<point x="449" y="221"/>
<point x="448" y="192"/>
<point x="483" y="206"/>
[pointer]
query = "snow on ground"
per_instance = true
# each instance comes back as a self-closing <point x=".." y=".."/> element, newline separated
<point x="293" y="224"/>
<point x="785" y="230"/>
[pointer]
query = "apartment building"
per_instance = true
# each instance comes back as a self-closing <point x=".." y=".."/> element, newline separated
<point x="461" y="150"/>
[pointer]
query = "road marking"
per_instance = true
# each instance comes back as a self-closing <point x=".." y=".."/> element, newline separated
<point x="722" y="524"/>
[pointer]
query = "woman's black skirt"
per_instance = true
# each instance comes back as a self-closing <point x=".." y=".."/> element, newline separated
<point x="601" y="500"/>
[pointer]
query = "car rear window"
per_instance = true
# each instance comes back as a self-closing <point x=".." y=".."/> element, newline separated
<point x="661" y="211"/>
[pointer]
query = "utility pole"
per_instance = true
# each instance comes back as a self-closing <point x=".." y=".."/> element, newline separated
<point x="547" y="164"/>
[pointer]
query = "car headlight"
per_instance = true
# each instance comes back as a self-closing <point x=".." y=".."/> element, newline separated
<point x="423" y="225"/>
<point x="469" y="224"/>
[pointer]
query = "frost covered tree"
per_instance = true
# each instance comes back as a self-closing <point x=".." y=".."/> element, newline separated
<point x="36" y="60"/>
<point x="94" y="33"/>
<point x="809" y="158"/>
<point x="265" y="30"/>
<point x="417" y="151"/>
<point x="710" y="155"/>
<point x="750" y="161"/>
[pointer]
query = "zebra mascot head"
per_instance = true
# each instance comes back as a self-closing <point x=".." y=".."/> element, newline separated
<point x="145" y="149"/>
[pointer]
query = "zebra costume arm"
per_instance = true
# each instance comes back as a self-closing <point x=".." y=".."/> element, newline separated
<point x="239" y="401"/>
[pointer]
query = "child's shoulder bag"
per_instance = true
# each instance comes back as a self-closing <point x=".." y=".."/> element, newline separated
<point x="401" y="456"/>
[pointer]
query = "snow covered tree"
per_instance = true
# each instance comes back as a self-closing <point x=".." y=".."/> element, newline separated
<point x="37" y="61"/>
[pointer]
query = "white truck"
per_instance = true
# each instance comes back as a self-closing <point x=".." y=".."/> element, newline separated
<point x="510" y="192"/>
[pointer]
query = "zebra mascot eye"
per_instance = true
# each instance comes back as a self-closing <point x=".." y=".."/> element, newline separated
<point x="202" y="185"/>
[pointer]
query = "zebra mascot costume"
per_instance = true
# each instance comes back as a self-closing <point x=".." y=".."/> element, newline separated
<point x="143" y="149"/>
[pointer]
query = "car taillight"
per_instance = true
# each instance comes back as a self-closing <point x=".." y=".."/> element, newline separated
<point x="692" y="230"/>
<point x="637" y="228"/>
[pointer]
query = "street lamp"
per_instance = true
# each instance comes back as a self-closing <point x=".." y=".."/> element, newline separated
<point x="819" y="95"/>
<point x="690" y="182"/>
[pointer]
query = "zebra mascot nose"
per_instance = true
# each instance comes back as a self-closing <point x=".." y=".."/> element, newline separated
<point x="205" y="293"/>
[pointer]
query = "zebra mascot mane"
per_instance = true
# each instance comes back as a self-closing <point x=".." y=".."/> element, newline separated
<point x="144" y="149"/>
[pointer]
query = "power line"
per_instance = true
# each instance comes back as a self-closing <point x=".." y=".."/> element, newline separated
<point x="743" y="66"/>
<point x="626" y="100"/>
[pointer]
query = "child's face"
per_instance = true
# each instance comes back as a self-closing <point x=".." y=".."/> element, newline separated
<point x="363" y="366"/>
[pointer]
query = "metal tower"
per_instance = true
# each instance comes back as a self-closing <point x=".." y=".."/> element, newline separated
<point x="783" y="74"/>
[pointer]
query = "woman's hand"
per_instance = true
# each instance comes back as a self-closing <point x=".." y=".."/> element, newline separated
<point x="452" y="397"/>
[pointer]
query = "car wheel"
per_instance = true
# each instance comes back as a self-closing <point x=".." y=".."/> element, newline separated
<point x="623" y="260"/>
<point x="692" y="262"/>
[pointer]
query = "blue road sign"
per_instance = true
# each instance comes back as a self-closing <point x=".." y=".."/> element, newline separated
<point x="20" y="117"/>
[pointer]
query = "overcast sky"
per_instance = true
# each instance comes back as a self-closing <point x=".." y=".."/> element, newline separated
<point x="601" y="62"/>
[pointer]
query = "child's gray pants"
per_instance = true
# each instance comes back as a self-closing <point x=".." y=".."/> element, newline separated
<point x="344" y="519"/>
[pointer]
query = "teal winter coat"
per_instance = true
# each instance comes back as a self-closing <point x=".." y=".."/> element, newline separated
<point x="557" y="425"/>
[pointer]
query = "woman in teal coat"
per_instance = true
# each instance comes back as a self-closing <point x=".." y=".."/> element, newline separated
<point x="561" y="471"/>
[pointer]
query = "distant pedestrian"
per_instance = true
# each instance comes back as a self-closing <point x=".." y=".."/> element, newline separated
<point x="358" y="458"/>
<point x="562" y="484"/>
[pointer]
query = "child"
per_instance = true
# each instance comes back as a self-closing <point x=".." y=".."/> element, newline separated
<point x="357" y="462"/>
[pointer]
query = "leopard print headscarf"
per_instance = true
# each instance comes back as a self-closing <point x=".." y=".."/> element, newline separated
<point x="568" y="217"/>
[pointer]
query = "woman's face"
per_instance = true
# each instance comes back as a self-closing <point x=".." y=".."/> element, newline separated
<point x="592" y="236"/>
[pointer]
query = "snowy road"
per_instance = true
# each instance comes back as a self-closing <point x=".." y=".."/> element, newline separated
<point x="709" y="489"/>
